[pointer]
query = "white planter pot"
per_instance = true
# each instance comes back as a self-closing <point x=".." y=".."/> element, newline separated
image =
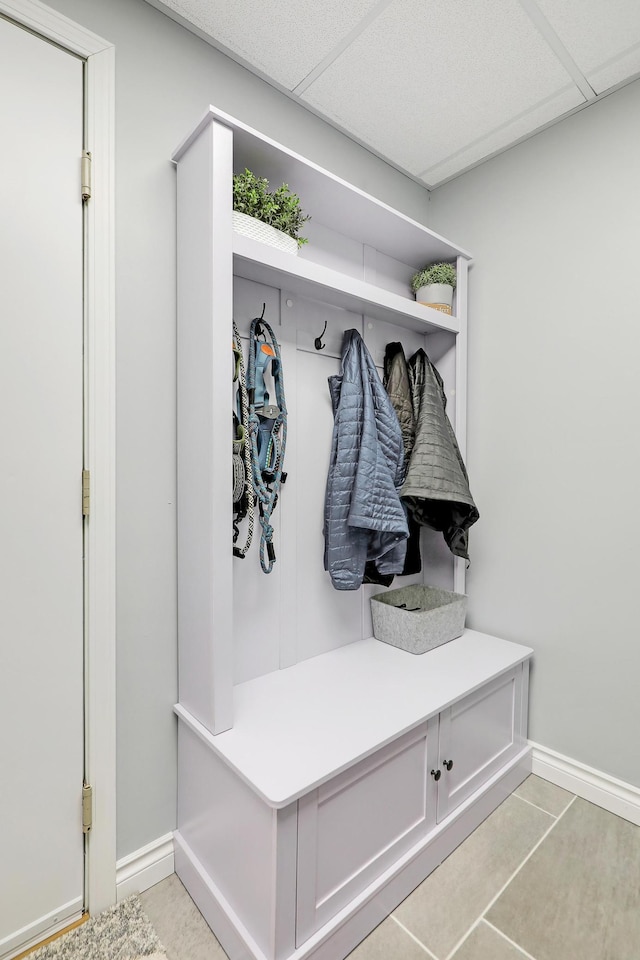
<point x="257" y="230"/>
<point x="436" y="295"/>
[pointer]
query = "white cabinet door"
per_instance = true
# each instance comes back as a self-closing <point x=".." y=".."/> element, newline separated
<point x="477" y="735"/>
<point x="41" y="425"/>
<point x="356" y="825"/>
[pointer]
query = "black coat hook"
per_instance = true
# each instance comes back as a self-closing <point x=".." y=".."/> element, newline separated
<point x="259" y="330"/>
<point x="318" y="344"/>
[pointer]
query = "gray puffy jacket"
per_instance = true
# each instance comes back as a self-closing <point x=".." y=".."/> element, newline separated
<point x="363" y="519"/>
<point x="436" y="487"/>
<point x="398" y="386"/>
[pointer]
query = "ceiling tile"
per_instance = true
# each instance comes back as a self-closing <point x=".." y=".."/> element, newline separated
<point x="504" y="136"/>
<point x="602" y="37"/>
<point x="427" y="78"/>
<point x="283" y="38"/>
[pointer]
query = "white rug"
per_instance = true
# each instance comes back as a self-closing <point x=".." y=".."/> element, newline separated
<point x="121" y="933"/>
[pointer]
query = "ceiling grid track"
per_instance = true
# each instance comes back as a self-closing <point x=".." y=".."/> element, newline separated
<point x="346" y="41"/>
<point x="541" y="23"/>
<point x="487" y="136"/>
<point x="497" y="72"/>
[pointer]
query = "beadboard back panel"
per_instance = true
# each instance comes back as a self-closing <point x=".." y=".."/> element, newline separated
<point x="294" y="612"/>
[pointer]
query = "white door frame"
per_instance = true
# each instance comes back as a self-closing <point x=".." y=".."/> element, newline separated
<point x="99" y="413"/>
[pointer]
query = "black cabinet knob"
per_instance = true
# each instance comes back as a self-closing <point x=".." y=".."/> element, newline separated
<point x="448" y="764"/>
<point x="436" y="774"/>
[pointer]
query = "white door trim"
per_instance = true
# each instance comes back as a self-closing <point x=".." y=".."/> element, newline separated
<point x="100" y="701"/>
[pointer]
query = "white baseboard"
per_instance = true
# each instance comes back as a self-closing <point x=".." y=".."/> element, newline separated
<point x="145" y="867"/>
<point x="597" y="787"/>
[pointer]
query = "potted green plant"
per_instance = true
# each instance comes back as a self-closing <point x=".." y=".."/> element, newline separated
<point x="272" y="216"/>
<point x="434" y="286"/>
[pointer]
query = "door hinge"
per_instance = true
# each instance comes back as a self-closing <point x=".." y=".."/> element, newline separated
<point x="85" y="175"/>
<point x="87" y="807"/>
<point x="86" y="493"/>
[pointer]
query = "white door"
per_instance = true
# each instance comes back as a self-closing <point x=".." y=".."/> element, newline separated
<point x="41" y="456"/>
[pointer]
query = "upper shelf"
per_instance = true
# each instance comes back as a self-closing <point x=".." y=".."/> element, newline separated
<point x="332" y="201"/>
<point x="313" y="281"/>
<point x="296" y="728"/>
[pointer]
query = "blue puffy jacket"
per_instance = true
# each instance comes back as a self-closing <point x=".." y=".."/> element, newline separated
<point x="364" y="518"/>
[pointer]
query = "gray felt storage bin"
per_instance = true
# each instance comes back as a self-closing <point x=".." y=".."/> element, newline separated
<point x="417" y="618"/>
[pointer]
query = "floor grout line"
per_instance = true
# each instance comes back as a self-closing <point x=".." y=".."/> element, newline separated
<point x="511" y="878"/>
<point x="413" y="937"/>
<point x="542" y="810"/>
<point x="574" y="797"/>
<point x="521" y="950"/>
<point x="527" y="858"/>
<point x="463" y="939"/>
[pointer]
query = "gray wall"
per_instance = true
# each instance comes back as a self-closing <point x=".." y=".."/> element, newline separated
<point x="165" y="80"/>
<point x="554" y="399"/>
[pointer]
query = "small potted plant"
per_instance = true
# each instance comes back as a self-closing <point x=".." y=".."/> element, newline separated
<point x="272" y="216"/>
<point x="434" y="286"/>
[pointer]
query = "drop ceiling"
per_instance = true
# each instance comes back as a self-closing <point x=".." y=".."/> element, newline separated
<point x="432" y="86"/>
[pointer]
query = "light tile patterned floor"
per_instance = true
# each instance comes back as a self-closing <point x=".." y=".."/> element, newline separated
<point x="546" y="877"/>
